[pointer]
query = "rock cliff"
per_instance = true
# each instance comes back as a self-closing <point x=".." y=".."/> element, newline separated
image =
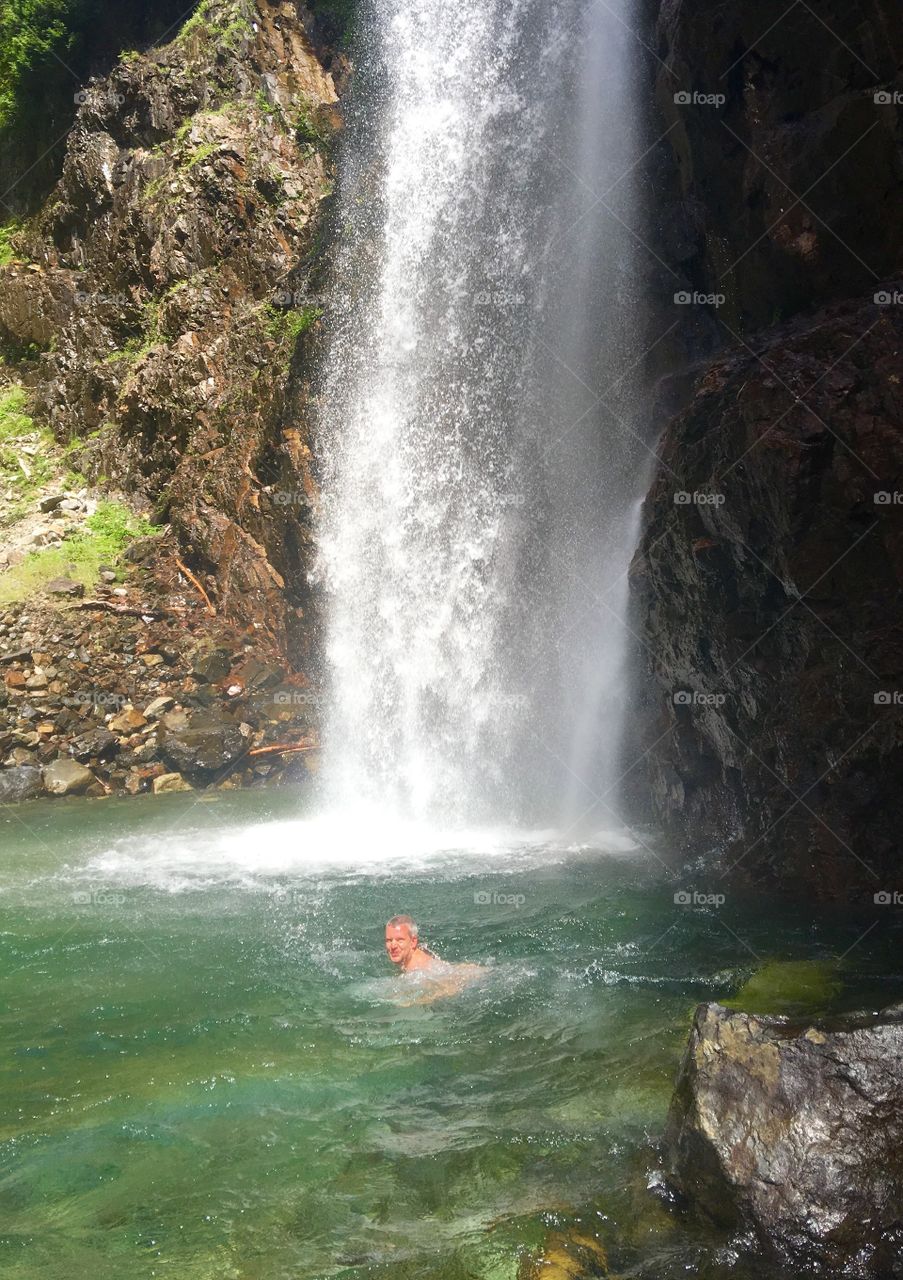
<point x="767" y="582"/>
<point x="163" y="304"/>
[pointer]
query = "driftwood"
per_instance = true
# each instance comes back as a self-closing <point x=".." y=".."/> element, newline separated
<point x="125" y="610"/>
<point x="284" y="748"/>
<point x="183" y="568"/>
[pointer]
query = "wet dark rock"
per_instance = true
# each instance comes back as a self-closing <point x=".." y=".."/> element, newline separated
<point x="212" y="666"/>
<point x="767" y="587"/>
<point x="256" y="675"/>
<point x="788" y="192"/>
<point x="22" y="782"/>
<point x="796" y="1133"/>
<point x="210" y="742"/>
<point x="99" y="743"/>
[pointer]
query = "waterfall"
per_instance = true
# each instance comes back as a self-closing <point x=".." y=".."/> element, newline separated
<point x="477" y="440"/>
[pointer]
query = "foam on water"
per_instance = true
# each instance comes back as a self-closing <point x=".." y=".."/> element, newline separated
<point x="331" y="848"/>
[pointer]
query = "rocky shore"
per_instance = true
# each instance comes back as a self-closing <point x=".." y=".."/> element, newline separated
<point x="136" y="686"/>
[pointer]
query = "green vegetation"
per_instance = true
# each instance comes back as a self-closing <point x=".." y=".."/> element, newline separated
<point x="264" y="104"/>
<point x="32" y="31"/>
<point x="791" y="987"/>
<point x="106" y="535"/>
<point x="337" y="17"/>
<point x="26" y="454"/>
<point x="227" y="32"/>
<point x="200" y="153"/>
<point x="141" y="343"/>
<point x="307" y="129"/>
<point x="290" y="325"/>
<point x="7" y="233"/>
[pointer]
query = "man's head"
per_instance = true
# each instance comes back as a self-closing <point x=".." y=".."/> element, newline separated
<point x="401" y="939"/>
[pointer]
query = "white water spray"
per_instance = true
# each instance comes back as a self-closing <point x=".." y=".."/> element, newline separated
<point x="480" y="465"/>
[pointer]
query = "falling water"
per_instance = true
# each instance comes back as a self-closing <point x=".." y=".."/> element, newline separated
<point x="478" y="443"/>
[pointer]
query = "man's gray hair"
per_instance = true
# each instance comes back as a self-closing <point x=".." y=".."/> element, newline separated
<point x="405" y="921"/>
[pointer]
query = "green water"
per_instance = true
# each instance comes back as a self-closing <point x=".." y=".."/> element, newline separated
<point x="207" y="1070"/>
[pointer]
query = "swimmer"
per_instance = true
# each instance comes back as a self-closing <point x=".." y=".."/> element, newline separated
<point x="411" y="956"/>
<point x="403" y="946"/>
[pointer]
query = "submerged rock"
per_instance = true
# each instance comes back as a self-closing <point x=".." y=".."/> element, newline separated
<point x="796" y="1133"/>
<point x="797" y="988"/>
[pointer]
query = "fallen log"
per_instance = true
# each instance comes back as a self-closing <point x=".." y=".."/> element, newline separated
<point x="125" y="610"/>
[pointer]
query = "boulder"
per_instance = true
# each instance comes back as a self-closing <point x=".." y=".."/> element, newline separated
<point x="212" y="665"/>
<point x="127" y="721"/>
<point x="208" y="743"/>
<point x="66" y="778"/>
<point x="157" y="707"/>
<point x="170" y="782"/>
<point x="795" y="1132"/>
<point x="96" y="742"/>
<point x="19" y="783"/>
<point x="64" y="587"/>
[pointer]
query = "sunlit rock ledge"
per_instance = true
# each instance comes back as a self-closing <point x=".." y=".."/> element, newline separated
<point x="795" y="1132"/>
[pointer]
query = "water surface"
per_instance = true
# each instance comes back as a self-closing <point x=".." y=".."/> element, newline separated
<point x="208" y="1069"/>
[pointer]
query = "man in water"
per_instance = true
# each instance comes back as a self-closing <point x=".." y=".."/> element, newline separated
<point x="403" y="946"/>
<point x="405" y="950"/>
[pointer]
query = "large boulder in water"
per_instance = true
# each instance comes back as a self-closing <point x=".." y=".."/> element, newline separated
<point x="796" y="1132"/>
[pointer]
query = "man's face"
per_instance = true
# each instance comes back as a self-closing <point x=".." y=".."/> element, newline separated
<point x="400" y="943"/>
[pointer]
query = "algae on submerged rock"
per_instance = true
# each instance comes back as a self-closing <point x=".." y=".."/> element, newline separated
<point x="789" y="987"/>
